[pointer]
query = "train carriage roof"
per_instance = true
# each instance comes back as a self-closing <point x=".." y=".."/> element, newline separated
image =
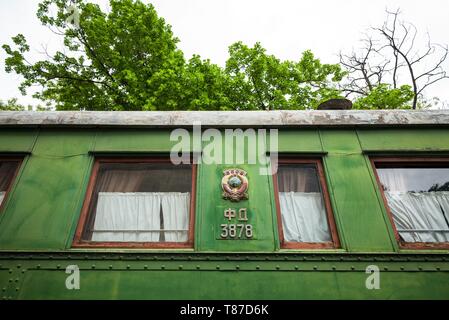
<point x="167" y="119"/>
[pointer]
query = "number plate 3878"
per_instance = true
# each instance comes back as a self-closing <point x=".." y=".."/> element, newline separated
<point x="236" y="231"/>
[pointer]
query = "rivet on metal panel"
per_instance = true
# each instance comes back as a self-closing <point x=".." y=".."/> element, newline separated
<point x="93" y="266"/>
<point x="10" y="270"/>
<point x="315" y="268"/>
<point x="138" y="258"/>
<point x="38" y="266"/>
<point x="145" y="267"/>
<point x="162" y="267"/>
<point x="278" y="267"/>
<point x="352" y="268"/>
<point x="189" y="257"/>
<point x="10" y="280"/>
<point x="217" y="267"/>
<point x="17" y="289"/>
<point x="237" y="267"/>
<point x="258" y="267"/>
<point x="180" y="267"/>
<point x="438" y="268"/>
<point x="19" y="266"/>
<point x="402" y="268"/>
<point x="386" y="268"/>
<point x="110" y="266"/>
<point x="17" y="280"/>
<point x="4" y="289"/>
<point x="58" y="266"/>
<point x="296" y="267"/>
<point x="128" y="266"/>
<point x="419" y="268"/>
<point x="334" y="267"/>
<point x="172" y="258"/>
<point x="198" y="267"/>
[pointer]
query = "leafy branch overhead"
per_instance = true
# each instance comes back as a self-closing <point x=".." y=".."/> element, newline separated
<point x="128" y="59"/>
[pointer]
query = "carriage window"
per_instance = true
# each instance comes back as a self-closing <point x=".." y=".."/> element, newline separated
<point x="417" y="195"/>
<point x="139" y="202"/>
<point x="8" y="169"/>
<point x="305" y="215"/>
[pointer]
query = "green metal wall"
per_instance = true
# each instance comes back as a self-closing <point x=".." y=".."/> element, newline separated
<point x="43" y="207"/>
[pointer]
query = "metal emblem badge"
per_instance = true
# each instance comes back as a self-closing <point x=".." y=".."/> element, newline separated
<point x="234" y="184"/>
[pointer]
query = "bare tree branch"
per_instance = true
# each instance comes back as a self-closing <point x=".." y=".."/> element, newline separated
<point x="386" y="51"/>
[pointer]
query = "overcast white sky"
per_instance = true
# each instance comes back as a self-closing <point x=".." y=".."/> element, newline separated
<point x="284" y="27"/>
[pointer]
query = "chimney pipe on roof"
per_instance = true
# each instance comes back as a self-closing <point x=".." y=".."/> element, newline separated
<point x="335" y="104"/>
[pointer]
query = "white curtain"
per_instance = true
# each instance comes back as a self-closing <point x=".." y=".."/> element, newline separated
<point x="175" y="210"/>
<point x="393" y="179"/>
<point x="135" y="215"/>
<point x="304" y="217"/>
<point x="2" y="195"/>
<point x="420" y="211"/>
<point x="443" y="200"/>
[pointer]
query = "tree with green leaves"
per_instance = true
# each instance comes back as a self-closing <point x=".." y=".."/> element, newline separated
<point x="11" y="105"/>
<point x="264" y="82"/>
<point x="128" y="59"/>
<point x="114" y="61"/>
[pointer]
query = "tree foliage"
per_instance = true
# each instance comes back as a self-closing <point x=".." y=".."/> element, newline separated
<point x="128" y="59"/>
<point x="264" y="82"/>
<point x="11" y="105"/>
<point x="383" y="96"/>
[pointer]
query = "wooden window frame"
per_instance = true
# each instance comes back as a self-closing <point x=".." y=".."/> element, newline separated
<point x="335" y="243"/>
<point x="78" y="242"/>
<point x="19" y="161"/>
<point x="404" y="162"/>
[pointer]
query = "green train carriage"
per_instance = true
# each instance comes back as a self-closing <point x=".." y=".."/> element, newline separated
<point x="97" y="193"/>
